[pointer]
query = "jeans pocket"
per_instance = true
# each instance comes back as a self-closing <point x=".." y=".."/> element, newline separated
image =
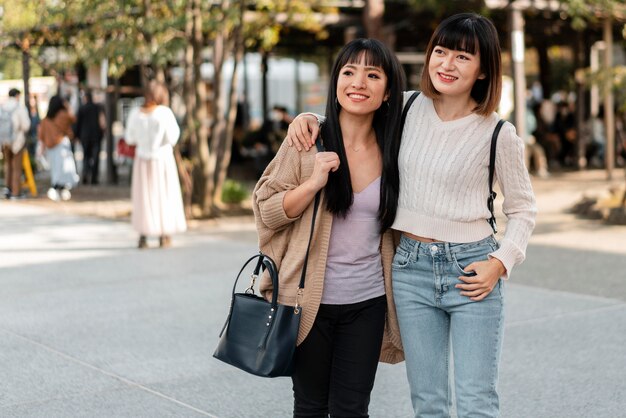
<point x="460" y="261"/>
<point x="401" y="259"/>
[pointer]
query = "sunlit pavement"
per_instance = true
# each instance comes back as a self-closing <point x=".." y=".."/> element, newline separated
<point x="90" y="326"/>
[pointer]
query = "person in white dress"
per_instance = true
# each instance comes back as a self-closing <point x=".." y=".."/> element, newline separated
<point x="155" y="189"/>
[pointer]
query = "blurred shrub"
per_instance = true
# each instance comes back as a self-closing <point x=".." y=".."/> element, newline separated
<point x="233" y="192"/>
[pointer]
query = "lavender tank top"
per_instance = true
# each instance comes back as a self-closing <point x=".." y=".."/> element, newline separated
<point x="354" y="271"/>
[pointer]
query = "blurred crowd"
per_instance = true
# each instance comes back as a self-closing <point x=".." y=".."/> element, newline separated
<point x="553" y="141"/>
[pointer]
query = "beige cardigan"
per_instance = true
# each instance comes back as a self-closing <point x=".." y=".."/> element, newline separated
<point x="285" y="239"/>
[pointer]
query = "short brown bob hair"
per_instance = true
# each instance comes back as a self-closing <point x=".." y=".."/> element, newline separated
<point x="471" y="33"/>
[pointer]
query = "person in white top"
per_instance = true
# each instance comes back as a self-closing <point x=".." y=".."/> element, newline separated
<point x="155" y="190"/>
<point x="448" y="267"/>
<point x="14" y="123"/>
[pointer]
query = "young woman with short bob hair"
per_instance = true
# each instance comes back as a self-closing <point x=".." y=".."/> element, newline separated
<point x="448" y="269"/>
<point x="472" y="36"/>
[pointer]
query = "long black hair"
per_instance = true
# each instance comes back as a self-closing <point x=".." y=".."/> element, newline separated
<point x="338" y="190"/>
<point x="55" y="106"/>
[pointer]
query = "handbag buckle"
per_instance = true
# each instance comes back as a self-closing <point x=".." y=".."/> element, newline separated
<point x="250" y="289"/>
<point x="296" y="309"/>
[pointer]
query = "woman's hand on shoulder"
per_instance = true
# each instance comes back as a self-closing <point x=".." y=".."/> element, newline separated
<point x="325" y="162"/>
<point x="303" y="131"/>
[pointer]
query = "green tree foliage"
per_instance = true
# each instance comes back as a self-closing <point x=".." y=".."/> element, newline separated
<point x="592" y="12"/>
<point x="584" y="12"/>
<point x="158" y="34"/>
<point x="442" y="8"/>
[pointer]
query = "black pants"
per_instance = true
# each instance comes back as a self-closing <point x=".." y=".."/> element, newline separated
<point x="91" y="161"/>
<point x="336" y="363"/>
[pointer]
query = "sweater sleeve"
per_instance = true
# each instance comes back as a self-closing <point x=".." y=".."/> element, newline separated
<point x="281" y="175"/>
<point x="519" y="200"/>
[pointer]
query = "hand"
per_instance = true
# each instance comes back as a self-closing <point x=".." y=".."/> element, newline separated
<point x="325" y="162"/>
<point x="303" y="131"/>
<point x="487" y="275"/>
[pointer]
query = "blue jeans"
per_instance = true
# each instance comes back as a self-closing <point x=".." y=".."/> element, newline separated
<point x="434" y="317"/>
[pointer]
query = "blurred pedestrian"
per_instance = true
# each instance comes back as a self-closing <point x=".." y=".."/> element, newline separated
<point x="565" y="127"/>
<point x="55" y="133"/>
<point x="596" y="141"/>
<point x="155" y="190"/>
<point x="281" y="119"/>
<point x="535" y="155"/>
<point x="90" y="126"/>
<point x="14" y="123"/>
<point x="545" y="134"/>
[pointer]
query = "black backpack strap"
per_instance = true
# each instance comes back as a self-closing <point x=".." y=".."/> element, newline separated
<point x="407" y="106"/>
<point x="492" y="169"/>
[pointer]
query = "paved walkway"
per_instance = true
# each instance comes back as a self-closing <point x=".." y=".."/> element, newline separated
<point x="92" y="327"/>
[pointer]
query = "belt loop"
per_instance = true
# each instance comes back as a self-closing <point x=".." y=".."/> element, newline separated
<point x="416" y="249"/>
<point x="446" y="246"/>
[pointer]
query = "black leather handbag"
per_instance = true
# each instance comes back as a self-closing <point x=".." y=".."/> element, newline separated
<point x="259" y="337"/>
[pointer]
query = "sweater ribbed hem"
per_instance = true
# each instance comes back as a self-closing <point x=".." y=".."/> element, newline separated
<point x="509" y="255"/>
<point x="441" y="229"/>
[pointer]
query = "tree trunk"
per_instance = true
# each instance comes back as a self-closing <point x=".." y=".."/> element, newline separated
<point x="264" y="87"/>
<point x="579" y="64"/>
<point x="218" y="124"/>
<point x="224" y="148"/>
<point x="26" y="70"/>
<point x="190" y="134"/>
<point x="373" y="18"/>
<point x="195" y="102"/>
<point x="544" y="67"/>
<point x="111" y="114"/>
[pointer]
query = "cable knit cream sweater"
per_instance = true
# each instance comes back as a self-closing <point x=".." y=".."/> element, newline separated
<point x="444" y="180"/>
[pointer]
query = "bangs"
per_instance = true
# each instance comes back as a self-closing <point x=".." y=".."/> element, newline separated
<point x="370" y="59"/>
<point x="460" y="36"/>
<point x="371" y="54"/>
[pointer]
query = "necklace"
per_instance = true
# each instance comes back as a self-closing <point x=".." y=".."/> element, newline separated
<point x="355" y="149"/>
<point x="361" y="146"/>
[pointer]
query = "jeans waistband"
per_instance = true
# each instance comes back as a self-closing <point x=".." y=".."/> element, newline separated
<point x="444" y="248"/>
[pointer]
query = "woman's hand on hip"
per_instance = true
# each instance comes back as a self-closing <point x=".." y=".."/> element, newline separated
<point x="303" y="131"/>
<point x="487" y="275"/>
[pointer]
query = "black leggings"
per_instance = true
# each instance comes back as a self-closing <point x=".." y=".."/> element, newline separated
<point x="336" y="363"/>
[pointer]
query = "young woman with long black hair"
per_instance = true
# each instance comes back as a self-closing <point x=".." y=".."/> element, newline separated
<point x="349" y="320"/>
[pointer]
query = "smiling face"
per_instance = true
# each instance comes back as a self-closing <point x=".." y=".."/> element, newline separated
<point x="464" y="52"/>
<point x="454" y="72"/>
<point x="361" y="88"/>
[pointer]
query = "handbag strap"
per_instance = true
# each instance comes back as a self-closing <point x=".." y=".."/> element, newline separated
<point x="320" y="148"/>
<point x="492" y="169"/>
